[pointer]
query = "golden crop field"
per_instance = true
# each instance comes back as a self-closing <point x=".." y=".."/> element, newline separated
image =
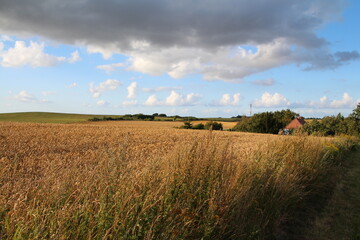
<point x="149" y="180"/>
<point x="226" y="125"/>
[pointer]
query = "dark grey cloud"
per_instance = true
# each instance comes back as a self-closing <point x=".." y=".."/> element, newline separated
<point x="166" y="23"/>
<point x="319" y="60"/>
<point x="347" y="56"/>
<point x="186" y="37"/>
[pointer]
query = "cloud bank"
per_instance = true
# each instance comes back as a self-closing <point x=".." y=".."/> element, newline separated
<point x="32" y="55"/>
<point x="185" y="37"/>
<point x="278" y="100"/>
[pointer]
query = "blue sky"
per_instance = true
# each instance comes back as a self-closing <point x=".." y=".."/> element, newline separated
<point x="201" y="59"/>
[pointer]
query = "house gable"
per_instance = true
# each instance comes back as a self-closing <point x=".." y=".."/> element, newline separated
<point x="295" y="123"/>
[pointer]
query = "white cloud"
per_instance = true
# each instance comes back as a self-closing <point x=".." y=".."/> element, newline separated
<point x="24" y="96"/>
<point x="269" y="100"/>
<point x="185" y="67"/>
<point x="48" y="93"/>
<point x="106" y="50"/>
<point x="73" y="85"/>
<point x="174" y="99"/>
<point x="227" y="100"/>
<point x="177" y="99"/>
<point x="225" y="63"/>
<point x="324" y="103"/>
<point x="132" y="90"/>
<point x="148" y="64"/>
<point x="323" y="100"/>
<point x="152" y="101"/>
<point x="231" y="63"/>
<point x="32" y="55"/>
<point x="108" y="85"/>
<point x="102" y="103"/>
<point x="108" y="68"/>
<point x="346" y="102"/>
<point x="75" y="57"/>
<point x="96" y="94"/>
<point x="161" y="89"/>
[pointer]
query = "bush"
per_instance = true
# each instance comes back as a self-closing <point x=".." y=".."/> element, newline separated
<point x="267" y="122"/>
<point x="141" y="116"/>
<point x="187" y="125"/>
<point x="95" y="119"/>
<point x="199" y="126"/>
<point x="209" y="125"/>
<point x="213" y="125"/>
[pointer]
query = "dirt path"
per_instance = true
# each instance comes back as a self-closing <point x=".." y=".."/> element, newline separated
<point x="340" y="219"/>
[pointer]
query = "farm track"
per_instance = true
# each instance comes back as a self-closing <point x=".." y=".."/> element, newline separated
<point x="340" y="219"/>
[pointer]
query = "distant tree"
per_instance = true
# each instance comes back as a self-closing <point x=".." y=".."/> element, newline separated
<point x="162" y="115"/>
<point x="213" y="125"/>
<point x="330" y="125"/>
<point x="266" y="122"/>
<point x="187" y="125"/>
<point x="354" y="121"/>
<point x="284" y="117"/>
<point x="356" y="112"/>
<point x="198" y="126"/>
<point x="313" y="127"/>
<point x="336" y="125"/>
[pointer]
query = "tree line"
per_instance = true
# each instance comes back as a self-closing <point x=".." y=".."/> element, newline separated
<point x="335" y="125"/>
<point x="266" y="122"/>
<point x="272" y="122"/>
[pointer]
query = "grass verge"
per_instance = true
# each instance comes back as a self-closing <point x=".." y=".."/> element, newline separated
<point x="46" y="117"/>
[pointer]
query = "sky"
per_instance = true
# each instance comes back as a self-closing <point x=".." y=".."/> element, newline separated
<point x="205" y="58"/>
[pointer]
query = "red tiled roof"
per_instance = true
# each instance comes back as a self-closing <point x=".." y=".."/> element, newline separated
<point x="296" y="123"/>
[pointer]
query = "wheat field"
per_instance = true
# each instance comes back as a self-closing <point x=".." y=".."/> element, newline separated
<point x="150" y="180"/>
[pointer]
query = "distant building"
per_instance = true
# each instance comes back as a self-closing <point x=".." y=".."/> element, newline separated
<point x="296" y="123"/>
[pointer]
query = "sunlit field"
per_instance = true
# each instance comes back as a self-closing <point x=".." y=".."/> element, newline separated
<point x="151" y="180"/>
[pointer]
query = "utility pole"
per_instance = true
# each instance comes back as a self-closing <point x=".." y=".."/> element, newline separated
<point x="250" y="109"/>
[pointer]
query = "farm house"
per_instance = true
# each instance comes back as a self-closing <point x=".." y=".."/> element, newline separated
<point x="294" y="124"/>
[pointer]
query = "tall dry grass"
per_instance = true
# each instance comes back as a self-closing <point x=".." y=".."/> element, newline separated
<point x="91" y="182"/>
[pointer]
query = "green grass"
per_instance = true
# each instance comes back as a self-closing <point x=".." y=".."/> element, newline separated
<point x="46" y="117"/>
<point x="49" y="117"/>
